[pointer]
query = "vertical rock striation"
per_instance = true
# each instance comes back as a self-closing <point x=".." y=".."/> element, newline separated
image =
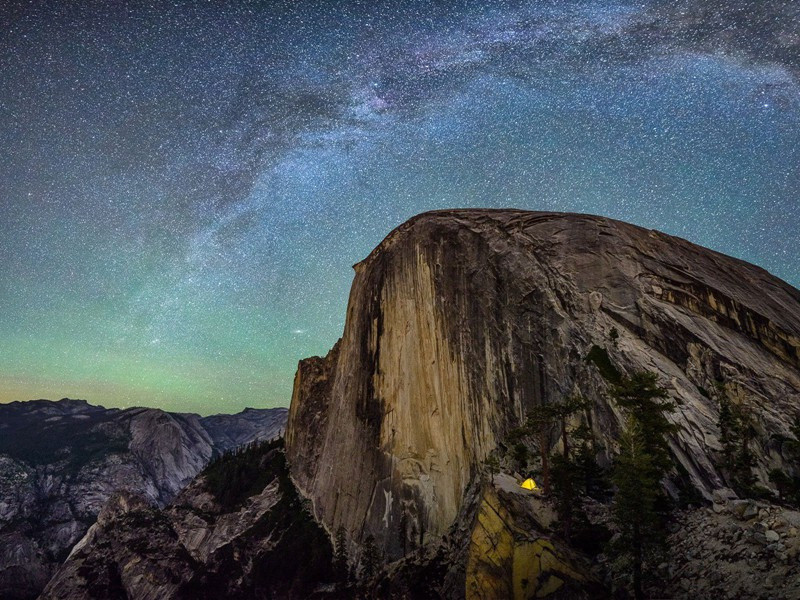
<point x="460" y="321"/>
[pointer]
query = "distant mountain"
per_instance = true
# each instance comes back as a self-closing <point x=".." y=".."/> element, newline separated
<point x="232" y="431"/>
<point x="60" y="461"/>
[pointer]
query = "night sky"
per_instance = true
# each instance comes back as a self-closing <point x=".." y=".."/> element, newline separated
<point x="184" y="187"/>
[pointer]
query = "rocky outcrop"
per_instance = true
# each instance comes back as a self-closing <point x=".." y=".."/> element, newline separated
<point x="460" y="321"/>
<point x="252" y="424"/>
<point x="114" y="560"/>
<point x="511" y="554"/>
<point x="61" y="461"/>
<point x="262" y="544"/>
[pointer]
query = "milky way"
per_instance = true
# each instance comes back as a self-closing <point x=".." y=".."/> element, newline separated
<point x="185" y="186"/>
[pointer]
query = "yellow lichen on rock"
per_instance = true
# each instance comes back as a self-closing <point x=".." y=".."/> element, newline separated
<point x="504" y="561"/>
<point x="538" y="570"/>
<point x="491" y="550"/>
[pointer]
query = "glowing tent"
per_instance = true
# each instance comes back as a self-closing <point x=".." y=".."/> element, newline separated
<point x="528" y="484"/>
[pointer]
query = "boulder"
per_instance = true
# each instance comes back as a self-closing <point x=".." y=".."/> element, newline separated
<point x="723" y="495"/>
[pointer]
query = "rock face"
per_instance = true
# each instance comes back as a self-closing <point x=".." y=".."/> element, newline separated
<point x="458" y="324"/>
<point x="510" y="554"/>
<point x="460" y="321"/>
<point x="61" y="461"/>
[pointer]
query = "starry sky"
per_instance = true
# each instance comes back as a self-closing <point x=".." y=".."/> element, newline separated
<point x="185" y="186"/>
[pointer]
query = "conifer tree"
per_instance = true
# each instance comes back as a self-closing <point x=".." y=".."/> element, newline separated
<point x="539" y="425"/>
<point x="788" y="483"/>
<point x="340" y="563"/>
<point x="736" y="433"/>
<point x="519" y="452"/>
<point x="493" y="465"/>
<point x="644" y="400"/>
<point x="565" y="492"/>
<point x="561" y="413"/>
<point x="637" y="488"/>
<point x="516" y="439"/>
<point x="592" y="480"/>
<point x="745" y="459"/>
<point x="565" y="471"/>
<point x="727" y="431"/>
<point x="370" y="559"/>
<point x="782" y="483"/>
<point x="643" y="461"/>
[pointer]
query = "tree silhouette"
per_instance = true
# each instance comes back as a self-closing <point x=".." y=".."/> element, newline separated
<point x="644" y="400"/>
<point x="370" y="559"/>
<point x="637" y="488"/>
<point x="340" y="562"/>
<point x="493" y="465"/>
<point x="736" y="433"/>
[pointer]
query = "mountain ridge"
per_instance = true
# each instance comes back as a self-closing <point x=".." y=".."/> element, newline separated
<point x="459" y="325"/>
<point x="60" y="461"/>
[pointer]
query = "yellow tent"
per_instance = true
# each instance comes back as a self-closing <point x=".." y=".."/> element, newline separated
<point x="528" y="484"/>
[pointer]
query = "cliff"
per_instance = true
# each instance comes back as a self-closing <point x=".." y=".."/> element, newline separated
<point x="460" y="321"/>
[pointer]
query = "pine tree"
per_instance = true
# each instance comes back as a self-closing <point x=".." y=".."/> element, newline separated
<point x="562" y="412"/>
<point x="788" y="483"/>
<point x="538" y="428"/>
<point x="370" y="559"/>
<point x="637" y="488"/>
<point x="643" y="461"/>
<point x="736" y="433"/>
<point x="745" y="459"/>
<point x="539" y="425"/>
<point x="516" y="440"/>
<point x="519" y="453"/>
<point x="566" y="474"/>
<point x="782" y="482"/>
<point x="565" y="492"/>
<point x="727" y="431"/>
<point x="591" y="477"/>
<point x="493" y="465"/>
<point x="340" y="562"/>
<point x="644" y="400"/>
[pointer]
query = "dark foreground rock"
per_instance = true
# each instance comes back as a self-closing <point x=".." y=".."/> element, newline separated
<point x="239" y="531"/>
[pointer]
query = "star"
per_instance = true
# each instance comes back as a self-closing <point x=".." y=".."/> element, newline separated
<point x="181" y="183"/>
